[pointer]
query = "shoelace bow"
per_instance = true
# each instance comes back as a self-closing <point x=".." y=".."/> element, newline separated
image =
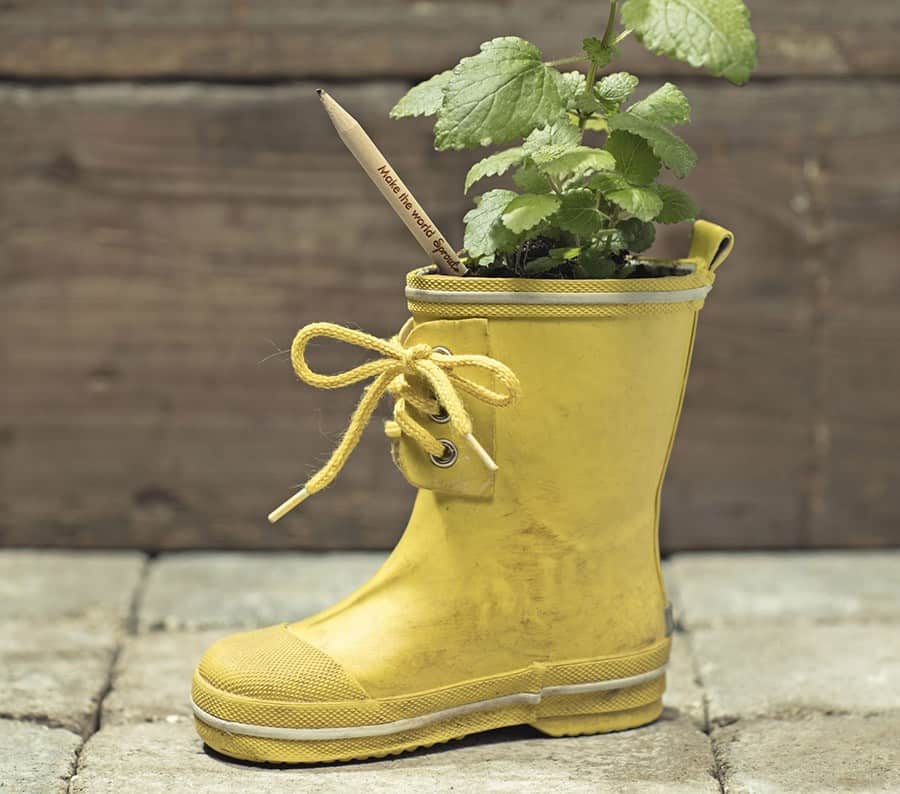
<point x="396" y="373"/>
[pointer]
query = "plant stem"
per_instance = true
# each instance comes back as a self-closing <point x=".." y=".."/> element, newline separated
<point x="623" y="35"/>
<point x="606" y="41"/>
<point x="610" y="23"/>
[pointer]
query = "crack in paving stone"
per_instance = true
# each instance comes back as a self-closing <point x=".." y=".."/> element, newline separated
<point x="129" y="628"/>
<point x="718" y="770"/>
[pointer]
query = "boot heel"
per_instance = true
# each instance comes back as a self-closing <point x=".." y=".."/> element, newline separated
<point x="583" y="724"/>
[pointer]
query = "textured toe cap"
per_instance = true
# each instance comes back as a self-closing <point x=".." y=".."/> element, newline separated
<point x="273" y="664"/>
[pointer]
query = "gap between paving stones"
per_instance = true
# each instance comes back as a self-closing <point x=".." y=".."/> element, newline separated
<point x="129" y="628"/>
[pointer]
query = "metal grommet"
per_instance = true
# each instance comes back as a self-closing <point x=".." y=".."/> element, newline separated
<point x="449" y="457"/>
<point x="442" y="417"/>
<point x="442" y="350"/>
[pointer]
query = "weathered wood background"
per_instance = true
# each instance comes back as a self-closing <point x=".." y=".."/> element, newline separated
<point x="174" y="204"/>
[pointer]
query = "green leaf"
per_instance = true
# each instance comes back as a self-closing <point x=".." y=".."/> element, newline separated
<point x="502" y="93"/>
<point x="714" y="34"/>
<point x="597" y="263"/>
<point x="565" y="254"/>
<point x="642" y="202"/>
<point x="599" y="54"/>
<point x="495" y="165"/>
<point x="637" y="234"/>
<point x="528" y="210"/>
<point x="541" y="264"/>
<point x="484" y="234"/>
<point x="615" y="88"/>
<point x="555" y="258"/>
<point x="588" y="104"/>
<point x="423" y="99"/>
<point x="531" y="180"/>
<point x="666" y="145"/>
<point x="667" y="105"/>
<point x="574" y="162"/>
<point x="548" y="153"/>
<point x="560" y="133"/>
<point x="634" y="157"/>
<point x="572" y="85"/>
<point x="677" y="205"/>
<point x="578" y="213"/>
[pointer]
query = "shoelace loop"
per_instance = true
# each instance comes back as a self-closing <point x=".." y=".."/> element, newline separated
<point x="394" y="372"/>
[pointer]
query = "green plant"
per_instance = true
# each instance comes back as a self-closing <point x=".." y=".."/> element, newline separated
<point x="579" y="210"/>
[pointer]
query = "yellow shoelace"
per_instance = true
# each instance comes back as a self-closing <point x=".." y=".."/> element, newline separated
<point x="397" y="373"/>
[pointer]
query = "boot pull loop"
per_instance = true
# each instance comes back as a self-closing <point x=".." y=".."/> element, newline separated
<point x="710" y="245"/>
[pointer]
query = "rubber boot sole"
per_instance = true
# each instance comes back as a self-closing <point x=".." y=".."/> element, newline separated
<point x="587" y="707"/>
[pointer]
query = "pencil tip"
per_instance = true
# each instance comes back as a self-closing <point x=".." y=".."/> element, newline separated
<point x="320" y="91"/>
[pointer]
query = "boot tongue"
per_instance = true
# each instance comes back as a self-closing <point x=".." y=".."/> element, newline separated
<point x="468" y="475"/>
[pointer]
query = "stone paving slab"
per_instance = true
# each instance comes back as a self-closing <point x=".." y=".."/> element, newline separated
<point x="152" y="679"/>
<point x="55" y="672"/>
<point x="199" y="590"/>
<point x="159" y="758"/>
<point x="683" y="692"/>
<point x="833" y="754"/>
<point x="44" y="585"/>
<point x="783" y="671"/>
<point x="35" y="759"/>
<point x="740" y="588"/>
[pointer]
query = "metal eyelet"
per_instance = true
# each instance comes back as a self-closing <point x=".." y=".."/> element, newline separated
<point x="449" y="457"/>
<point x="442" y="350"/>
<point x="442" y="417"/>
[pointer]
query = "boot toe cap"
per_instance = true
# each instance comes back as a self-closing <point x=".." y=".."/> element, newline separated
<point x="273" y="665"/>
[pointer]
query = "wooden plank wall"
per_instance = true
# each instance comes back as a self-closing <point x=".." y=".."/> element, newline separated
<point x="173" y="205"/>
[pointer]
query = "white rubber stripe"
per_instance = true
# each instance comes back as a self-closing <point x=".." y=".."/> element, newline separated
<point x="556" y="298"/>
<point x="410" y="723"/>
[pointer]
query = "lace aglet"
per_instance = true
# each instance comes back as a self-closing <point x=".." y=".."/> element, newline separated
<point x="289" y="504"/>
<point x="481" y="452"/>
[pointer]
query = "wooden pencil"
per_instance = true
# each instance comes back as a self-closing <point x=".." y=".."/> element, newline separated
<point x="381" y="172"/>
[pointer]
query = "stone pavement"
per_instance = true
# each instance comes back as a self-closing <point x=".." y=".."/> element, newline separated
<point x="785" y="677"/>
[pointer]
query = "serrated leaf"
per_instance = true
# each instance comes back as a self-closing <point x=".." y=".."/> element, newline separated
<point x="548" y="153"/>
<point x="528" y="210"/>
<point x="578" y="213"/>
<point x="714" y="34"/>
<point x="597" y="263"/>
<point x="637" y="235"/>
<point x="615" y="88"/>
<point x="666" y="145"/>
<point x="531" y="180"/>
<point x="575" y="162"/>
<point x="424" y="99"/>
<point x="494" y="165"/>
<point x="502" y="93"/>
<point x="635" y="159"/>
<point x="484" y="234"/>
<point x="677" y="206"/>
<point x="572" y="85"/>
<point x="642" y="202"/>
<point x="560" y="133"/>
<point x="588" y="103"/>
<point x="599" y="54"/>
<point x="667" y="105"/>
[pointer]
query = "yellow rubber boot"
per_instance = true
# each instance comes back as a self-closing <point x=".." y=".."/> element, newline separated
<point x="536" y="417"/>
